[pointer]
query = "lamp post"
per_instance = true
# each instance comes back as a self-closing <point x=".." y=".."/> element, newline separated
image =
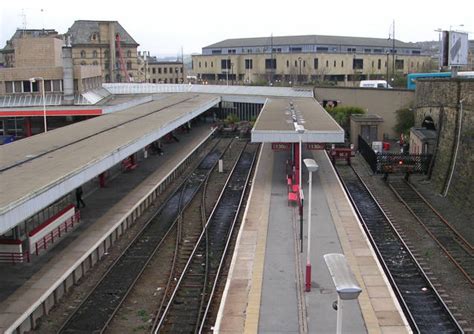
<point x="299" y="76"/>
<point x="33" y="80"/>
<point x="300" y="129"/>
<point x="312" y="167"/>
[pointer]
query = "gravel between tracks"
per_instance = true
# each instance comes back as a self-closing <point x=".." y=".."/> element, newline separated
<point x="456" y="292"/>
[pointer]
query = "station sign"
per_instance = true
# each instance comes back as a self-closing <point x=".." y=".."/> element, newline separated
<point x="281" y="146"/>
<point x="315" y="146"/>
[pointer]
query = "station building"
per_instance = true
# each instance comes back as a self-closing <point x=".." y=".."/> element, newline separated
<point x="310" y="58"/>
<point x="163" y="72"/>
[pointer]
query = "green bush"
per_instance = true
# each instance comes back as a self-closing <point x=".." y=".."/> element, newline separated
<point x="405" y="120"/>
<point x="342" y="115"/>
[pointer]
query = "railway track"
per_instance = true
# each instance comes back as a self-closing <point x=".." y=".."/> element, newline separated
<point x="456" y="247"/>
<point x="188" y="305"/>
<point x="423" y="307"/>
<point x="99" y="307"/>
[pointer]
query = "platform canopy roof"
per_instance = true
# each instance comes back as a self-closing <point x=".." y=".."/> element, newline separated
<point x="281" y="119"/>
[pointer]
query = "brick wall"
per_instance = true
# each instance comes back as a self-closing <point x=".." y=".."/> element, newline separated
<point x="440" y="99"/>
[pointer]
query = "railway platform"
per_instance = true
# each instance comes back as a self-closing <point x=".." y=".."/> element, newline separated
<point x="265" y="287"/>
<point x="31" y="288"/>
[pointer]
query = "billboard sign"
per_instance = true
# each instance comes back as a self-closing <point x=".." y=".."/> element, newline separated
<point x="458" y="48"/>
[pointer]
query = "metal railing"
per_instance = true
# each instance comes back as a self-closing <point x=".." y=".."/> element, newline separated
<point x="386" y="162"/>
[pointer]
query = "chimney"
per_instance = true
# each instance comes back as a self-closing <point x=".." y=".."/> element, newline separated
<point x="68" y="76"/>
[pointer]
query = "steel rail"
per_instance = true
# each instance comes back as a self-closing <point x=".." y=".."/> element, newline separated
<point x="133" y="243"/>
<point x="404" y="297"/>
<point x="197" y="245"/>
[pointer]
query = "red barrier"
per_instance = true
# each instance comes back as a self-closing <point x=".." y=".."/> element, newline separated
<point x="56" y="233"/>
<point x="15" y="257"/>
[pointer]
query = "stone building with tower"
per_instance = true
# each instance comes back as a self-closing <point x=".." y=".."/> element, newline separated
<point x="105" y="44"/>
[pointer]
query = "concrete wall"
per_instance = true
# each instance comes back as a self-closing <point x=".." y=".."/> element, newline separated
<point x="38" y="52"/>
<point x="381" y="102"/>
<point x="440" y="99"/>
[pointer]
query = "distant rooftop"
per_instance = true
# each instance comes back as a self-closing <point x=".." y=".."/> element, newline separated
<point x="20" y="33"/>
<point x="82" y="30"/>
<point x="309" y="40"/>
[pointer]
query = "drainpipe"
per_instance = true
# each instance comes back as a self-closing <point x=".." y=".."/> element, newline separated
<point x="456" y="150"/>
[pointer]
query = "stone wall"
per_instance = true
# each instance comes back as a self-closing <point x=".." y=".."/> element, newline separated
<point x="450" y="103"/>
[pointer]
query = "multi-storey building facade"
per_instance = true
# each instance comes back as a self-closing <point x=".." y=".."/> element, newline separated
<point x="165" y="71"/>
<point x="300" y="59"/>
<point x="44" y="55"/>
<point x="108" y="45"/>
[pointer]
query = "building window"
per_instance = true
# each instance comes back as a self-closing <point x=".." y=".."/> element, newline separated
<point x="212" y="64"/>
<point x="379" y="64"/>
<point x="342" y="63"/>
<point x="159" y="70"/>
<point x="367" y="50"/>
<point x="322" y="49"/>
<point x="270" y="64"/>
<point x="171" y="70"/>
<point x="165" y="70"/>
<point x="373" y="64"/>
<point x="154" y="80"/>
<point x="95" y="62"/>
<point x="9" y="87"/>
<point x="176" y="70"/>
<point x="165" y="81"/>
<point x="199" y="64"/>
<point x="296" y="63"/>
<point x="18" y="86"/>
<point x="47" y="86"/>
<point x="94" y="54"/>
<point x="225" y="64"/>
<point x="357" y="64"/>
<point x="378" y="50"/>
<point x="153" y="70"/>
<point x="298" y="49"/>
<point x="106" y="54"/>
<point x="215" y="52"/>
<point x="304" y="63"/>
<point x="287" y="63"/>
<point x="399" y="64"/>
<point x="56" y="85"/>
<point x="316" y="63"/>
<point x="129" y="54"/>
<point x="415" y="52"/>
<point x="351" y="49"/>
<point x="83" y="54"/>
<point x="83" y="63"/>
<point x="129" y="65"/>
<point x="231" y="51"/>
<point x="205" y="64"/>
<point x="327" y="63"/>
<point x="248" y="64"/>
<point x="334" y="63"/>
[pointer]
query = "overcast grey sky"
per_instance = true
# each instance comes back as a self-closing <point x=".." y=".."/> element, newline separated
<point x="163" y="27"/>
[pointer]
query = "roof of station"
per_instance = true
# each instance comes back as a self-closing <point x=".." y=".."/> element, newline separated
<point x="279" y="119"/>
<point x="36" y="171"/>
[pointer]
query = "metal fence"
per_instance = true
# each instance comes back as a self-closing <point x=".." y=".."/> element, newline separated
<point x="385" y="162"/>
